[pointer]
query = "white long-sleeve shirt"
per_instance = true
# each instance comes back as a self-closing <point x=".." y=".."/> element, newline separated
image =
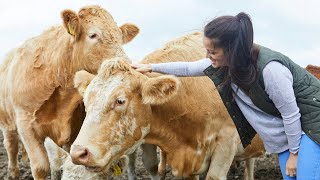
<point x="278" y="134"/>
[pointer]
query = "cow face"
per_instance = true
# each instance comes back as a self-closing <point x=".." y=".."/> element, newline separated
<point x="118" y="104"/>
<point x="61" y="160"/>
<point x="96" y="36"/>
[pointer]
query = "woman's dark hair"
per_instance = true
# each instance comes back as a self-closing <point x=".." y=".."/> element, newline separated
<point x="234" y="34"/>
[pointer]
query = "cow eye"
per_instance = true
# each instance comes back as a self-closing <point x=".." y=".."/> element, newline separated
<point x="93" y="36"/>
<point x="120" y="101"/>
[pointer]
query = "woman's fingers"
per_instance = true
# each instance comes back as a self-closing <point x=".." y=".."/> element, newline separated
<point x="143" y="68"/>
<point x="291" y="166"/>
<point x="291" y="173"/>
<point x="134" y="66"/>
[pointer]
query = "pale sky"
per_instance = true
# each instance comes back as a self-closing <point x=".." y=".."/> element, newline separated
<point x="288" y="26"/>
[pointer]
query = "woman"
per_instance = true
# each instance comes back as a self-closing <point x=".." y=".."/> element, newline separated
<point x="263" y="90"/>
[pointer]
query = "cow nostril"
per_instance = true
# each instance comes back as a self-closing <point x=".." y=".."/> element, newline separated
<point x="79" y="154"/>
<point x="84" y="154"/>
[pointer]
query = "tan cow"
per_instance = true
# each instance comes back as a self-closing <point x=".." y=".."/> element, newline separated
<point x="185" y="117"/>
<point x="36" y="82"/>
<point x="315" y="70"/>
<point x="61" y="160"/>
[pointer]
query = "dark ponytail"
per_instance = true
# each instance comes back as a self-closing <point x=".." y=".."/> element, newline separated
<point x="234" y="34"/>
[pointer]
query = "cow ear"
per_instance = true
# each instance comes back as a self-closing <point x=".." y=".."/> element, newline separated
<point x="81" y="81"/>
<point x="160" y="89"/>
<point x="129" y="31"/>
<point x="71" y="22"/>
<point x="57" y="156"/>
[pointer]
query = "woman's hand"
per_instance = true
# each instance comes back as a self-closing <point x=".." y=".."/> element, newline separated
<point x="291" y="166"/>
<point x="143" y="68"/>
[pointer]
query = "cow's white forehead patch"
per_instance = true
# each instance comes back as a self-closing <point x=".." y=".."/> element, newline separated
<point x="102" y="89"/>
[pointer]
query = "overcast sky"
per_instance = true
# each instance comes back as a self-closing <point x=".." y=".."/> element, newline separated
<point x="289" y="26"/>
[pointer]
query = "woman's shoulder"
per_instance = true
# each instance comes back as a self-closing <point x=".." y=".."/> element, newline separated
<point x="276" y="70"/>
<point x="274" y="65"/>
<point x="269" y="53"/>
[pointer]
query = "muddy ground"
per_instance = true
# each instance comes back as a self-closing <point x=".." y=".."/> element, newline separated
<point x="266" y="168"/>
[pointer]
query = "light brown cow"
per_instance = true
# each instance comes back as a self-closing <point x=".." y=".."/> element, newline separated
<point x="185" y="117"/>
<point x="36" y="82"/>
<point x="315" y="70"/>
<point x="61" y="160"/>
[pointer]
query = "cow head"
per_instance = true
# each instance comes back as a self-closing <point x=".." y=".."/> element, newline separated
<point x="61" y="160"/>
<point x="95" y="36"/>
<point x="119" y="116"/>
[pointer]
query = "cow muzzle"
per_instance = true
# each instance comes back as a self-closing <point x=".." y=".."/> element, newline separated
<point x="79" y="155"/>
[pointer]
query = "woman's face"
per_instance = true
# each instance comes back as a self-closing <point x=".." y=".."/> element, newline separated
<point x="215" y="54"/>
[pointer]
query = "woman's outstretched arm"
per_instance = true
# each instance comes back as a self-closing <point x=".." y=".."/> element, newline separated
<point x="194" y="68"/>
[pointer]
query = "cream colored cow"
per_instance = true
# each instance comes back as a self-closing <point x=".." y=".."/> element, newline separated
<point x="37" y="95"/>
<point x="185" y="117"/>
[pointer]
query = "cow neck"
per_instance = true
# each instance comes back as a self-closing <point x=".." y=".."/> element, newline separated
<point x="67" y="65"/>
<point x="58" y="56"/>
<point x="177" y="131"/>
<point x="183" y="157"/>
<point x="167" y="133"/>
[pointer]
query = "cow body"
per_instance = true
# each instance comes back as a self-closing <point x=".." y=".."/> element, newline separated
<point x="185" y="117"/>
<point x="37" y="95"/>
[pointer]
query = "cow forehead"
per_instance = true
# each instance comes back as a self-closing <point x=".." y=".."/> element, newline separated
<point x="103" y="89"/>
<point x="91" y="12"/>
<point x="99" y="17"/>
<point x="108" y="29"/>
